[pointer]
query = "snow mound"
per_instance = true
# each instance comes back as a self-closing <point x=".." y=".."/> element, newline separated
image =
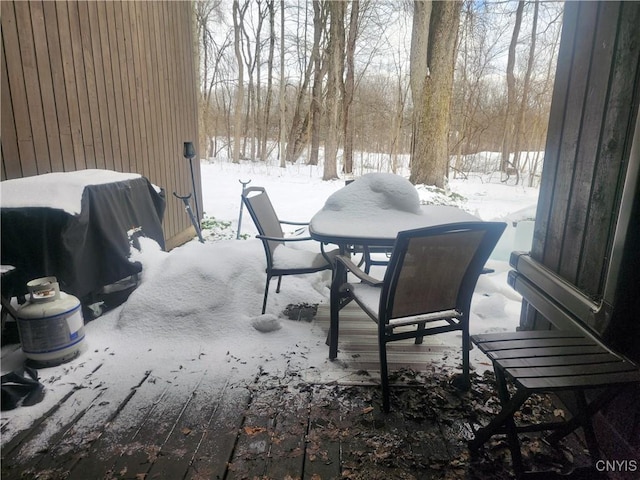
<point x="266" y="323"/>
<point x="197" y="290"/>
<point x="385" y="191"/>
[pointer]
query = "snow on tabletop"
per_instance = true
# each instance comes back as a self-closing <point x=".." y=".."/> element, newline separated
<point x="58" y="190"/>
<point x="380" y="205"/>
<point x="376" y="191"/>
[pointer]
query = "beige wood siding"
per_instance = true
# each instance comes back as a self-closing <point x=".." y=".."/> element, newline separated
<point x="101" y="85"/>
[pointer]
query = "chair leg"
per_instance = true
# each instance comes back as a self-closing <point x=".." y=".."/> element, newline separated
<point x="466" y="347"/>
<point x="266" y="294"/>
<point x="384" y="374"/>
<point x="420" y="339"/>
<point x="279" y="282"/>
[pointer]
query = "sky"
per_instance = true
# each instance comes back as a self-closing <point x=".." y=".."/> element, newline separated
<point x="198" y="306"/>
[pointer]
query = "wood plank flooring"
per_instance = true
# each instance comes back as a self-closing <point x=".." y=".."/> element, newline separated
<point x="294" y="425"/>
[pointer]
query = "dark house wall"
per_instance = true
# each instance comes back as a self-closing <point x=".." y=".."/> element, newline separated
<point x="588" y="164"/>
<point x="106" y="84"/>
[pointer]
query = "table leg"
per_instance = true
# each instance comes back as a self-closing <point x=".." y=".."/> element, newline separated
<point x="339" y="277"/>
<point x="335" y="301"/>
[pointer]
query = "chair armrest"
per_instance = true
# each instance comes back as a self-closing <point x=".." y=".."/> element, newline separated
<point x="284" y="239"/>
<point x="294" y="223"/>
<point x="353" y="268"/>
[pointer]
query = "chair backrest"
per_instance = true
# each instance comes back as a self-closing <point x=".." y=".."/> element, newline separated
<point x="264" y="216"/>
<point x="436" y="269"/>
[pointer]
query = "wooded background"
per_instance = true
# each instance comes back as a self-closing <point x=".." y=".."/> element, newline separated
<point x="292" y="79"/>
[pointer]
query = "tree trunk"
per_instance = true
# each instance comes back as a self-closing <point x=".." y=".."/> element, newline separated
<point x="509" y="123"/>
<point x="526" y="87"/>
<point x="347" y="128"/>
<point x="238" y="15"/>
<point x="430" y="153"/>
<point x="335" y="57"/>
<point x="319" y="21"/>
<point x="269" y="93"/>
<point x="282" y="85"/>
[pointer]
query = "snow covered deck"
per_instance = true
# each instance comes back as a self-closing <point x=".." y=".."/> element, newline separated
<point x="208" y="423"/>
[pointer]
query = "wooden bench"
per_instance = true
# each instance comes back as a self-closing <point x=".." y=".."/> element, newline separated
<point x="570" y="358"/>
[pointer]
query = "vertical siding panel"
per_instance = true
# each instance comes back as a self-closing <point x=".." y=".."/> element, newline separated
<point x="101" y="115"/>
<point x="570" y="139"/>
<point x="159" y="91"/>
<point x="123" y="121"/>
<point x="169" y="157"/>
<point x="32" y="87"/>
<point x="612" y="149"/>
<point x="132" y="66"/>
<point x="180" y="166"/>
<point x="10" y="154"/>
<point x="182" y="171"/>
<point x="557" y="120"/>
<point x="53" y="27"/>
<point x="114" y="159"/>
<point x="82" y="82"/>
<point x="143" y="90"/>
<point x="152" y="91"/>
<point x="172" y="19"/>
<point x="51" y="139"/>
<point x="18" y="92"/>
<point x="586" y="156"/>
<point x="87" y="30"/>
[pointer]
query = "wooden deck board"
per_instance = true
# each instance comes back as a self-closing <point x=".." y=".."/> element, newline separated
<point x="210" y="424"/>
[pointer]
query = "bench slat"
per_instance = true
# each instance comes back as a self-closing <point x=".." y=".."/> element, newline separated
<point x="570" y="370"/>
<point x="545" y="352"/>
<point x="584" y="381"/>
<point x="602" y="357"/>
<point x="524" y="335"/>
<point x="533" y="343"/>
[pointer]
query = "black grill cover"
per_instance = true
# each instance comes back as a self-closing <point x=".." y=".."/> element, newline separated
<point x="86" y="251"/>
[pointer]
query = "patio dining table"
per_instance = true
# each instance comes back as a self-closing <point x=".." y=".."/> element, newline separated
<point x="378" y="226"/>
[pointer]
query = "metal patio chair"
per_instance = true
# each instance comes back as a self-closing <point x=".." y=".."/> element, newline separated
<point x="426" y="290"/>
<point x="274" y="241"/>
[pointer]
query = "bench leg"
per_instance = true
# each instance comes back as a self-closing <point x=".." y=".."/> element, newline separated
<point x="499" y="421"/>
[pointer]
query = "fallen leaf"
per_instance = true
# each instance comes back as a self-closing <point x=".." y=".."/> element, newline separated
<point x="251" y="431"/>
<point x="367" y="410"/>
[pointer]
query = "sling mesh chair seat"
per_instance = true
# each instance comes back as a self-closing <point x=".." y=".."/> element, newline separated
<point x="428" y="286"/>
<point x="281" y="259"/>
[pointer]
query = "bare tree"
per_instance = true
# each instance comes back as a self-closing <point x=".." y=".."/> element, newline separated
<point x="208" y="16"/>
<point x="509" y="121"/>
<point x="429" y="155"/>
<point x="349" y="85"/>
<point x="269" y="93"/>
<point x="319" y="71"/>
<point x="281" y="94"/>
<point x="238" y="19"/>
<point x="334" y="87"/>
<point x="526" y="87"/>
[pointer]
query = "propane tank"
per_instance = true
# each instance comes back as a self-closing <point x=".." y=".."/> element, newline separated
<point x="50" y="324"/>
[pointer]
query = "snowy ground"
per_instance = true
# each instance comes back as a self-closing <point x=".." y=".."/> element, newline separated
<point x="202" y="301"/>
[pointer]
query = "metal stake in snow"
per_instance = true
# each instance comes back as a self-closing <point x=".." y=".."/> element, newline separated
<point x="244" y="185"/>
<point x="187" y="207"/>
